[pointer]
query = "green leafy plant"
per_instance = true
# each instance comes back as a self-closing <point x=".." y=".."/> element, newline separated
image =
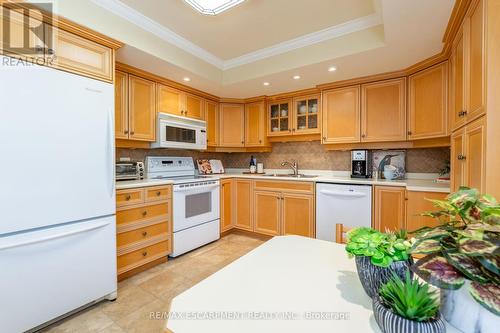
<point x="383" y="248"/>
<point x="410" y="298"/>
<point x="465" y="246"/>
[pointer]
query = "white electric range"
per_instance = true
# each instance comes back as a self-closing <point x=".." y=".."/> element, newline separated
<point x="196" y="213"/>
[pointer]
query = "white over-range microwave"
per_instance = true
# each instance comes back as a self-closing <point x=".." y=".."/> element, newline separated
<point x="180" y="132"/>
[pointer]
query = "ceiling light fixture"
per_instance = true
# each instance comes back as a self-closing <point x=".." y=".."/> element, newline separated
<point x="332" y="69"/>
<point x="266" y="83"/>
<point x="212" y="7"/>
<point x="296" y="77"/>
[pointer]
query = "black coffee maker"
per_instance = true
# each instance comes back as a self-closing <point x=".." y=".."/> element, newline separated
<point x="361" y="164"/>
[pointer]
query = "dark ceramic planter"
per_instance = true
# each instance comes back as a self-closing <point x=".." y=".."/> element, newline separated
<point x="389" y="322"/>
<point x="373" y="277"/>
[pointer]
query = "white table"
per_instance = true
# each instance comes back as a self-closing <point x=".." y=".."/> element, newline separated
<point x="299" y="277"/>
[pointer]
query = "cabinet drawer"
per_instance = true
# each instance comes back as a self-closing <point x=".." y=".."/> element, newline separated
<point x="287" y="186"/>
<point x="158" y="193"/>
<point x="141" y="234"/>
<point x="141" y="256"/>
<point x="142" y="213"/>
<point x="129" y="197"/>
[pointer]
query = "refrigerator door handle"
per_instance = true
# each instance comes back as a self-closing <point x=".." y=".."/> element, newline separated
<point x="110" y="153"/>
<point x="33" y="240"/>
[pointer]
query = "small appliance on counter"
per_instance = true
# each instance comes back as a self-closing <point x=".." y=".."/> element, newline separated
<point x="361" y="164"/>
<point x="129" y="170"/>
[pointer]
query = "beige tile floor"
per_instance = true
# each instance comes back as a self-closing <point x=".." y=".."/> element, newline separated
<point x="152" y="290"/>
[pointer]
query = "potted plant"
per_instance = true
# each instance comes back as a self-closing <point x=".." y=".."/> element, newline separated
<point x="377" y="256"/>
<point x="407" y="306"/>
<point x="464" y="250"/>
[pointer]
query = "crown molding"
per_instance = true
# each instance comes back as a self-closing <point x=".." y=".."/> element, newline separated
<point x="144" y="22"/>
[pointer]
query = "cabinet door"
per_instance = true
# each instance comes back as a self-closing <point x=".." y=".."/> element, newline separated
<point x="457" y="83"/>
<point x="298" y="214"/>
<point x="383" y="111"/>
<point x="306" y="115"/>
<point x="279" y="118"/>
<point x="341" y="115"/>
<point x="255" y="124"/>
<point x="416" y="204"/>
<point x="142" y="111"/>
<point x="243" y="204"/>
<point x="232" y="125"/>
<point x="389" y="208"/>
<point x="194" y="107"/>
<point x="475" y="154"/>
<point x="428" y="100"/>
<point x="121" y="105"/>
<point x="16" y="43"/>
<point x="226" y="201"/>
<point x="212" y="119"/>
<point x="170" y="100"/>
<point x="474" y="25"/>
<point x="267" y="209"/>
<point x="457" y="165"/>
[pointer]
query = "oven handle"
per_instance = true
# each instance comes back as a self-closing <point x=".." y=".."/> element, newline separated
<point x="187" y="189"/>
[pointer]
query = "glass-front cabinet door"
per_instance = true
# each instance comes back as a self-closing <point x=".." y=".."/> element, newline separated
<point x="280" y="118"/>
<point x="306" y="115"/>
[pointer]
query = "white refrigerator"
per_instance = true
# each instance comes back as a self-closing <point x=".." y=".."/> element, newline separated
<point x="57" y="194"/>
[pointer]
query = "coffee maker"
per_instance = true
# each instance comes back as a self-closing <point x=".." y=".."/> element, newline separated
<point x="361" y="164"/>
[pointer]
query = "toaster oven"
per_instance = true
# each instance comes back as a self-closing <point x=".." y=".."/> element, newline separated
<point x="129" y="170"/>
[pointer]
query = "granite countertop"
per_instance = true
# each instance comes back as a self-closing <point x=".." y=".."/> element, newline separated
<point x="424" y="184"/>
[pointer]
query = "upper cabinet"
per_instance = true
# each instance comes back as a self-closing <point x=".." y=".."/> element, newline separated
<point x="142" y="108"/>
<point x="255" y="124"/>
<point x="177" y="102"/>
<point x="280" y="119"/>
<point x="383" y="111"/>
<point x="467" y="62"/>
<point x="341" y="115"/>
<point x="232" y="125"/>
<point x="121" y="105"/>
<point x="306" y="115"/>
<point x="428" y="103"/>
<point x="212" y="119"/>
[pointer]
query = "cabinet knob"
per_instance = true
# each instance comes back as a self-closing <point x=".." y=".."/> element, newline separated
<point x="363" y="135"/>
<point x="260" y="141"/>
<point x="144" y="213"/>
<point x="144" y="234"/>
<point x="50" y="51"/>
<point x="132" y="133"/>
<point x="242" y="142"/>
<point x="324" y="138"/>
<point x="158" y="193"/>
<point x="461" y="157"/>
<point x="128" y="197"/>
<point x="409" y="133"/>
<point x="125" y="132"/>
<point x="145" y="253"/>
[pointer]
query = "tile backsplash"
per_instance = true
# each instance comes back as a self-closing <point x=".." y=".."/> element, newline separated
<point x="310" y="155"/>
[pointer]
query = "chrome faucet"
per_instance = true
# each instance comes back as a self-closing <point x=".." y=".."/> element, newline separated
<point x="294" y="166"/>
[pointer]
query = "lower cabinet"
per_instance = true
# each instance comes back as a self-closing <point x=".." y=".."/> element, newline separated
<point x="389" y="208"/>
<point x="143" y="228"/>
<point x="267" y="212"/>
<point x="416" y="204"/>
<point x="298" y="214"/>
<point x="226" y="205"/>
<point x="243" y="204"/>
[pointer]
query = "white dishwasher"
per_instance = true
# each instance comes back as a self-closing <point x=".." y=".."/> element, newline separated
<point x="350" y="205"/>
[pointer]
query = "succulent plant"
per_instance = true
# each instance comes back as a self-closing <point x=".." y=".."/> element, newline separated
<point x="383" y="248"/>
<point x="466" y="245"/>
<point x="410" y="298"/>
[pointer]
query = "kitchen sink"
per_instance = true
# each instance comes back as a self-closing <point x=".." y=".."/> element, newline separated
<point x="291" y="175"/>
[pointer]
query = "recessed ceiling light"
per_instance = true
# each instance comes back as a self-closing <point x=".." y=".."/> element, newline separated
<point x="187" y="79"/>
<point x="266" y="83"/>
<point x="212" y="7"/>
<point x="332" y="69"/>
<point x="296" y="77"/>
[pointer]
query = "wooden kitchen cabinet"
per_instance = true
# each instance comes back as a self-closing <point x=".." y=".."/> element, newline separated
<point x="18" y="25"/>
<point x="389" y="208"/>
<point x="255" y="124"/>
<point x="279" y="118"/>
<point x="267" y="209"/>
<point x="468" y="156"/>
<point x="179" y="103"/>
<point x="298" y="214"/>
<point x="141" y="108"/>
<point x="416" y="204"/>
<point x="121" y="105"/>
<point x="306" y="114"/>
<point x="468" y="97"/>
<point x="212" y="119"/>
<point x="226" y="205"/>
<point x="428" y="103"/>
<point x="232" y="125"/>
<point x="383" y="111"/>
<point x="341" y="115"/>
<point x="243" y="216"/>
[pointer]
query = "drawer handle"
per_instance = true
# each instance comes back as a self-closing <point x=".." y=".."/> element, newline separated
<point x="144" y="213"/>
<point x="128" y="197"/>
<point x="144" y="234"/>
<point x="145" y="253"/>
<point x="158" y="193"/>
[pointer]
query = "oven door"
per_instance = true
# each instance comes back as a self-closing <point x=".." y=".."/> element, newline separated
<point x="195" y="205"/>
<point x="182" y="135"/>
